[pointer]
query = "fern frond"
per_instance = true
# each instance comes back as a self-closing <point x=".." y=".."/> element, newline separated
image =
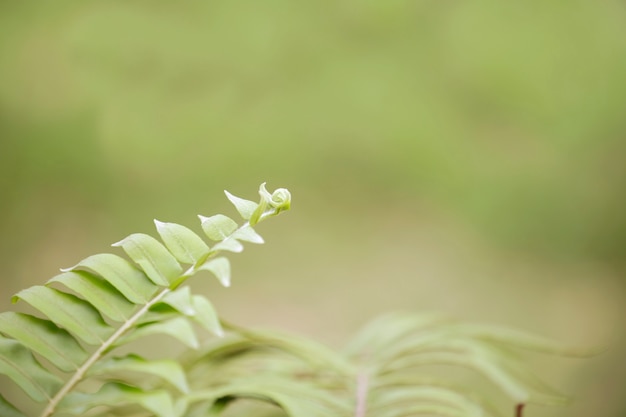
<point x="66" y="356"/>
<point x="302" y="377"/>
<point x="106" y="301"/>
<point x="395" y="348"/>
<point x="381" y="373"/>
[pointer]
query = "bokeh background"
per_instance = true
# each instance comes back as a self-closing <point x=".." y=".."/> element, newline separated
<point x="464" y="157"/>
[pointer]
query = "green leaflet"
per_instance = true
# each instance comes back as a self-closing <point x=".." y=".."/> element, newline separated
<point x="68" y="311"/>
<point x="44" y="338"/>
<point x="102" y="295"/>
<point x="18" y="363"/>
<point x="8" y="410"/>
<point x="121" y="274"/>
<point x="297" y="399"/>
<point x="520" y="387"/>
<point x="214" y="350"/>
<point x="156" y="261"/>
<point x="181" y="301"/>
<point x="244" y="207"/>
<point x="184" y="244"/>
<point x="206" y="315"/>
<point x="520" y="339"/>
<point x="309" y="351"/>
<point x="197" y="308"/>
<point x="383" y="333"/>
<point x="417" y="395"/>
<point x="229" y="244"/>
<point x="115" y="394"/>
<point x="433" y="408"/>
<point x="220" y="267"/>
<point x="247" y="234"/>
<point x="178" y="328"/>
<point x="167" y="370"/>
<point x="218" y="227"/>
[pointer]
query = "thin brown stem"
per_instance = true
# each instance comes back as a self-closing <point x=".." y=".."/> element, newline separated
<point x="519" y="409"/>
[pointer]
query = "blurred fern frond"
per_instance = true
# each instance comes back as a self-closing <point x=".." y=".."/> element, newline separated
<point x="382" y="373"/>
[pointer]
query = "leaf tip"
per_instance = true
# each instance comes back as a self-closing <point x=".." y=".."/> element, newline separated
<point x="118" y="243"/>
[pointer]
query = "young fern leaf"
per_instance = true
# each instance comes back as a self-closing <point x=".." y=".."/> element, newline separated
<point x="105" y="301"/>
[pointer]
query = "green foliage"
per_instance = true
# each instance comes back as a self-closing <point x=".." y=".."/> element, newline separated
<point x="105" y="301"/>
<point x="68" y="359"/>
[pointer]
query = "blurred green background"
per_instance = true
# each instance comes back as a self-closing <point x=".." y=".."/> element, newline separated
<point x="465" y="157"/>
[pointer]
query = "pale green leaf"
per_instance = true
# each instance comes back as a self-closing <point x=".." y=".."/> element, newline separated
<point x="101" y="294"/>
<point x="220" y="267"/>
<point x="19" y="364"/>
<point x="230" y="245"/>
<point x="115" y="394"/>
<point x="505" y="370"/>
<point x="44" y="338"/>
<point x="206" y="315"/>
<point x="8" y="410"/>
<point x="499" y="373"/>
<point x="244" y="207"/>
<point x="308" y="350"/>
<point x="167" y="370"/>
<point x="179" y="328"/>
<point x="68" y="311"/>
<point x="158" y="312"/>
<point x="517" y="338"/>
<point x="156" y="261"/>
<point x="183" y="243"/>
<point x="411" y="410"/>
<point x="514" y="388"/>
<point x="218" y="227"/>
<point x="120" y="273"/>
<point x="393" y="396"/>
<point x="230" y="343"/>
<point x="181" y="301"/>
<point x="297" y="399"/>
<point x="248" y="234"/>
<point x="381" y="335"/>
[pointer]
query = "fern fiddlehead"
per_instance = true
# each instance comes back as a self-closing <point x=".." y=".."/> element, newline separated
<point x="112" y="302"/>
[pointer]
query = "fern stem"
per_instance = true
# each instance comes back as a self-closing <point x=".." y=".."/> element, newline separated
<point x="362" y="386"/>
<point x="80" y="372"/>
